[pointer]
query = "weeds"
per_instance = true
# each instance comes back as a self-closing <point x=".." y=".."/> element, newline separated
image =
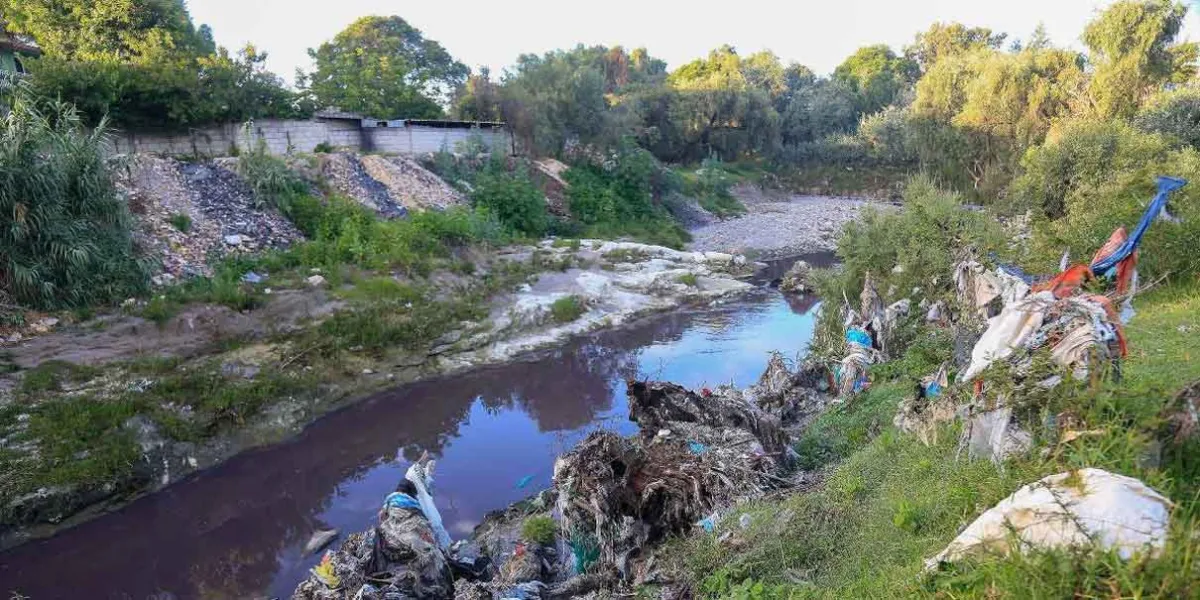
<point x="181" y="222"/>
<point x="688" y="279"/>
<point x="540" y="530"/>
<point x="567" y="309"/>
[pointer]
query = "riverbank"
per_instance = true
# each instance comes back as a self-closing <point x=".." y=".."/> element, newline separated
<point x="105" y="410"/>
<point x="492" y="428"/>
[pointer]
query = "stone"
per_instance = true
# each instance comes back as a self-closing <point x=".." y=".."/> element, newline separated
<point x="316" y="281"/>
<point x="233" y="240"/>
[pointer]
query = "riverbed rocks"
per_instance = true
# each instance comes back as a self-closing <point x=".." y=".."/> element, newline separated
<point x="796" y="281"/>
<point x="612" y="282"/>
<point x="778" y="225"/>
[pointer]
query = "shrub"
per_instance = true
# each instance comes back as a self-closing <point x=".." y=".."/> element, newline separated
<point x="269" y="177"/>
<point x="922" y="240"/>
<point x="567" y="309"/>
<point x="688" y="279"/>
<point x="1175" y="114"/>
<point x="540" y="530"/>
<point x="709" y="185"/>
<point x="182" y="222"/>
<point x="512" y="198"/>
<point x="323" y="148"/>
<point x="64" y="231"/>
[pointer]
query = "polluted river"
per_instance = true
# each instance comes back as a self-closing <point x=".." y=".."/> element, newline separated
<point x="239" y="530"/>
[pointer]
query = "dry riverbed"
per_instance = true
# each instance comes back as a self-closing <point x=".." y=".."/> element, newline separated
<point x="778" y="224"/>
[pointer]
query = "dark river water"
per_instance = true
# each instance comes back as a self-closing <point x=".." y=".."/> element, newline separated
<point x="237" y="530"/>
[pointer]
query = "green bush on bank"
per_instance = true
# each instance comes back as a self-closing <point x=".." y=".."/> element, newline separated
<point x="64" y="230"/>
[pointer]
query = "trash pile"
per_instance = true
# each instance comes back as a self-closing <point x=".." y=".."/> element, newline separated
<point x="1073" y="509"/>
<point x="346" y="175"/>
<point x="190" y="213"/>
<point x="613" y="498"/>
<point x="409" y="184"/>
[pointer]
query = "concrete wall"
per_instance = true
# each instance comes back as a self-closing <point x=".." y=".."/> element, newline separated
<point x="303" y="136"/>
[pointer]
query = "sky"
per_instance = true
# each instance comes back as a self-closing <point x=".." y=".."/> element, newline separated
<point x="816" y="33"/>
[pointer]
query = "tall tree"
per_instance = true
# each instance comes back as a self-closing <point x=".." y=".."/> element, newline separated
<point x="943" y="40"/>
<point x="124" y="30"/>
<point x="877" y="74"/>
<point x="1133" y="52"/>
<point x="479" y="99"/>
<point x="384" y="67"/>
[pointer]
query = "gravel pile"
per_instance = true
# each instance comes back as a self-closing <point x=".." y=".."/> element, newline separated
<point x="189" y="214"/>
<point x="346" y="175"/>
<point x="778" y="226"/>
<point x="410" y="184"/>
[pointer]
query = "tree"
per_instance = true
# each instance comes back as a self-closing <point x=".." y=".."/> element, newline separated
<point x="1133" y="52"/>
<point x="943" y="40"/>
<point x="384" y="67"/>
<point x="479" y="99"/>
<point x="123" y="30"/>
<point x="877" y="75"/>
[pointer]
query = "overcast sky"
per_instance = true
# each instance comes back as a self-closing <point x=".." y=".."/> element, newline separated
<point x="817" y="33"/>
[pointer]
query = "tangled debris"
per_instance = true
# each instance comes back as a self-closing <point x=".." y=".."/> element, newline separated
<point x="613" y="497"/>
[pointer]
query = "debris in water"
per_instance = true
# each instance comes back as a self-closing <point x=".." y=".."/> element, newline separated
<point x="319" y="540"/>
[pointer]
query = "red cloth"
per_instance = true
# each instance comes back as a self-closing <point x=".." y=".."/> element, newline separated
<point x="1066" y="283"/>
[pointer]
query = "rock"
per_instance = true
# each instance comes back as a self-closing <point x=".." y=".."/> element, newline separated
<point x="43" y="325"/>
<point x="319" y="540"/>
<point x="233" y="240"/>
<point x="1085" y="508"/>
<point x="368" y="372"/>
<point x="316" y="281"/>
<point x="252" y="277"/>
<point x="795" y="281"/>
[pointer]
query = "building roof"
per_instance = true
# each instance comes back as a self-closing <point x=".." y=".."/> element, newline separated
<point x="451" y="124"/>
<point x="333" y="113"/>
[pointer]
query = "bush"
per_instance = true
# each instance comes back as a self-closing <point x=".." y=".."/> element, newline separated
<point x="709" y="185"/>
<point x="922" y="240"/>
<point x="540" y="530"/>
<point x="169" y="93"/>
<point x="269" y="177"/>
<point x="1175" y="114"/>
<point x="181" y="222"/>
<point x="1079" y="156"/>
<point x="567" y="309"/>
<point x="64" y="230"/>
<point x="512" y="198"/>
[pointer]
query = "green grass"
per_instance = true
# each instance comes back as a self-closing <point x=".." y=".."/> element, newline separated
<point x="688" y="279"/>
<point x="49" y="376"/>
<point x="181" y="222"/>
<point x="889" y="502"/>
<point x="540" y="529"/>
<point x="567" y="309"/>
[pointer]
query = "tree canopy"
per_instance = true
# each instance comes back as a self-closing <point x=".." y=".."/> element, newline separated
<point x="877" y="75"/>
<point x="384" y="67"/>
<point x="122" y="30"/>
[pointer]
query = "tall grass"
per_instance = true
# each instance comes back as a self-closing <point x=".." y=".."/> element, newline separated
<point x="64" y="231"/>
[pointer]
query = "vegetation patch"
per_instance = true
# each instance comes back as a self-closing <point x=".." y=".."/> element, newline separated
<point x="567" y="309"/>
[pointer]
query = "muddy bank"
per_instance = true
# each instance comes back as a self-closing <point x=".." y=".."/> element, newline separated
<point x="246" y="521"/>
<point x="212" y="382"/>
<point x="778" y="224"/>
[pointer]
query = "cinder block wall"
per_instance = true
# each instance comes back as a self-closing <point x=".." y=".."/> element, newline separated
<point x="282" y="137"/>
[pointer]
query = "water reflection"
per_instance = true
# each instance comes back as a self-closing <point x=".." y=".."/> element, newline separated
<point x="236" y="531"/>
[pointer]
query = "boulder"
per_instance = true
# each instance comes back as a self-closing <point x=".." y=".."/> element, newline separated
<point x="1075" y="509"/>
<point x="795" y="281"/>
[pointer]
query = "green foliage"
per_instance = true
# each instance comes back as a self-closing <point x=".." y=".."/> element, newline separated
<point x="1175" y="114"/>
<point x="172" y="92"/>
<point x="181" y="222"/>
<point x="1132" y="47"/>
<point x="877" y="75"/>
<point x="107" y="30"/>
<point x="273" y="183"/>
<point x="922" y="240"/>
<point x="383" y="67"/>
<point x="323" y="148"/>
<point x="567" y="309"/>
<point x="512" y="198"/>
<point x="688" y="279"/>
<point x="943" y="40"/>
<point x="539" y="530"/>
<point x="65" y="232"/>
<point x="709" y="185"/>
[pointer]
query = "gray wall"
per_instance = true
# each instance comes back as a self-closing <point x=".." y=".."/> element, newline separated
<point x="303" y="136"/>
